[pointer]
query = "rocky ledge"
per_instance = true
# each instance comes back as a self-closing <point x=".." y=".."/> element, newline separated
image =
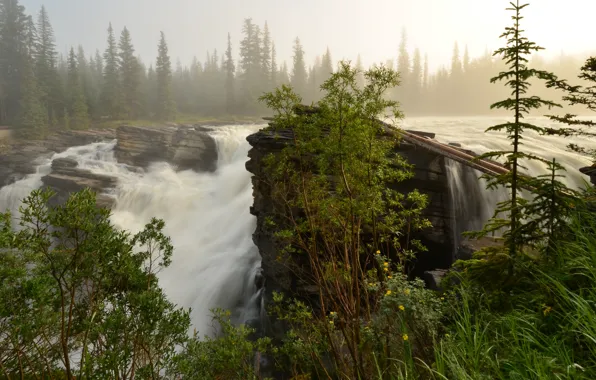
<point x="430" y="178"/>
<point x="186" y="147"/>
<point x="66" y="178"/>
<point x="20" y="158"/>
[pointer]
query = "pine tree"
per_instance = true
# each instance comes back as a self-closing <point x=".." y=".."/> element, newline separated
<point x="111" y="98"/>
<point x="284" y="76"/>
<point x="266" y="58"/>
<point x="274" y="70"/>
<point x="48" y="79"/>
<point x="326" y="68"/>
<point x="466" y="60"/>
<point x="129" y="70"/>
<point x="229" y="69"/>
<point x="425" y="73"/>
<point x="416" y="80"/>
<point x="13" y="58"/>
<point x="77" y="108"/>
<point x="299" y="73"/>
<point x="86" y="75"/>
<point x="578" y="95"/>
<point x="404" y="70"/>
<point x="33" y="116"/>
<point x="165" y="107"/>
<point x="31" y="37"/>
<point x="515" y="54"/>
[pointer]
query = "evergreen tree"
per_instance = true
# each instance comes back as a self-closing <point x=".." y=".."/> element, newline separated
<point x="416" y="81"/>
<point x="515" y="54"/>
<point x="425" y="73"/>
<point x="97" y="85"/>
<point x="404" y="70"/>
<point x="578" y="95"/>
<point x="266" y="58"/>
<point x="250" y="64"/>
<point x="274" y="70"/>
<point x="77" y="106"/>
<point x="466" y="60"/>
<point x="86" y="76"/>
<point x="129" y="70"/>
<point x="31" y="37"/>
<point x="111" y="98"/>
<point x="299" y="73"/>
<point x="456" y="65"/>
<point x="48" y="79"/>
<point x="229" y="69"/>
<point x="326" y="68"/>
<point x="165" y="107"/>
<point x="33" y="116"/>
<point x="284" y="76"/>
<point x="13" y="58"/>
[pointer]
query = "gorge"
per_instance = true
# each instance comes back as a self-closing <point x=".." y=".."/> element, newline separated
<point x="205" y="182"/>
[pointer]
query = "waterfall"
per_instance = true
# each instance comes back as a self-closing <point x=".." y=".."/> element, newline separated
<point x="472" y="205"/>
<point x="206" y="215"/>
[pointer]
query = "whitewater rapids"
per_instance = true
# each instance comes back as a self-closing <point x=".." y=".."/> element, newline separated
<point x="206" y="215"/>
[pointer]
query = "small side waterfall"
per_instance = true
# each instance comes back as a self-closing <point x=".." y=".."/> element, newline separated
<point x="472" y="204"/>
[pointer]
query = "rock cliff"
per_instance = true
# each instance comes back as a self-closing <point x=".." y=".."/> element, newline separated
<point x="430" y="178"/>
<point x="186" y="147"/>
<point x="66" y="178"/>
<point x="19" y="158"/>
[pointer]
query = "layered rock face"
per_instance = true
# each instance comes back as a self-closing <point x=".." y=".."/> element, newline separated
<point x="66" y="178"/>
<point x="430" y="178"/>
<point x="186" y="147"/>
<point x="20" y="159"/>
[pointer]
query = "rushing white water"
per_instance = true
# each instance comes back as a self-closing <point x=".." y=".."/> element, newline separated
<point x="207" y="214"/>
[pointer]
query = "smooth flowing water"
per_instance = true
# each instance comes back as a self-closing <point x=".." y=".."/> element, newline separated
<point x="207" y="214"/>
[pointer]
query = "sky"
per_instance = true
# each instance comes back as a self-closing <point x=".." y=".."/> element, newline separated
<point x="348" y="27"/>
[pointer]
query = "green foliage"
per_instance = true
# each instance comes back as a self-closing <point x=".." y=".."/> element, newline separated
<point x="83" y="296"/>
<point x="518" y="234"/>
<point x="334" y="187"/>
<point x="578" y="95"/>
<point x="230" y="356"/>
<point x="547" y="332"/>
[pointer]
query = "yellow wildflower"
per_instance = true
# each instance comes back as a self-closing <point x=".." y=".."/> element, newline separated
<point x="407" y="292"/>
<point x="547" y="310"/>
<point x="402" y="308"/>
<point x="405" y="336"/>
<point x="378" y="252"/>
<point x="389" y="277"/>
<point x="388" y="293"/>
<point x="442" y="298"/>
<point x="331" y="322"/>
<point x="332" y="313"/>
<point x="386" y="269"/>
<point x="385" y="264"/>
<point x="447" y="335"/>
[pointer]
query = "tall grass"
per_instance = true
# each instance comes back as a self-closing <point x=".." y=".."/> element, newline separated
<point x="556" y="340"/>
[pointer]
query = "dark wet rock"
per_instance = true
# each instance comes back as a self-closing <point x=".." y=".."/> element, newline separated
<point x="19" y="158"/>
<point x="186" y="147"/>
<point x="590" y="171"/>
<point x="65" y="178"/>
<point x="434" y="278"/>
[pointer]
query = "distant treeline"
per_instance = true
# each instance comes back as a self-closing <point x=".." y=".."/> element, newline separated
<point x="40" y="88"/>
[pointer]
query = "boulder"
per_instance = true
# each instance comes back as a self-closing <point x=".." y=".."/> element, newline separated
<point x="185" y="147"/>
